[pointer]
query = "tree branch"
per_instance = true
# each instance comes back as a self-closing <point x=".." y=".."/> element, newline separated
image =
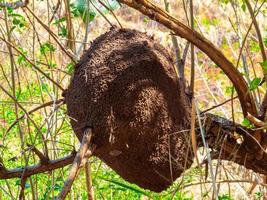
<point x="84" y="153"/>
<point x="221" y="136"/>
<point x="244" y="94"/>
<point x="36" y="169"/>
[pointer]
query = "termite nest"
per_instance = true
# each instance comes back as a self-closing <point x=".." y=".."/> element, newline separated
<point x="126" y="88"/>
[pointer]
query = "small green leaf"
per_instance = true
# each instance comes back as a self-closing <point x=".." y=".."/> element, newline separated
<point x="63" y="31"/>
<point x="51" y="64"/>
<point x="264" y="66"/>
<point x="59" y="21"/>
<point x="244" y="7"/>
<point x="47" y="47"/>
<point x="57" y="187"/>
<point x="146" y="19"/>
<point x="246" y="123"/>
<point x="229" y="90"/>
<point x="224" y="197"/>
<point x="70" y="68"/>
<point x="21" y="58"/>
<point x="254" y="83"/>
<point x="265" y="41"/>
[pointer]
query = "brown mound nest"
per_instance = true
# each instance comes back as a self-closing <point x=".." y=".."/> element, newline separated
<point x="126" y="88"/>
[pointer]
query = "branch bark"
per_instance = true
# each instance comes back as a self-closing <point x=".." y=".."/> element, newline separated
<point x="221" y="136"/>
<point x="36" y="169"/>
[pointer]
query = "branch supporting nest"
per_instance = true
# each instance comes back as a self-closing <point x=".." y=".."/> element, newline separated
<point x="218" y="128"/>
<point x="246" y="100"/>
<point x="81" y="158"/>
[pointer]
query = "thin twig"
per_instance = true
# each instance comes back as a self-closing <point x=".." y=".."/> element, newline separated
<point x="32" y="64"/>
<point x="216" y="106"/>
<point x="32" y="111"/>
<point x="85" y="151"/>
<point x="192" y="77"/>
<point x="178" y="63"/>
<point x="66" y="51"/>
<point x="89" y="184"/>
<point x="111" y="12"/>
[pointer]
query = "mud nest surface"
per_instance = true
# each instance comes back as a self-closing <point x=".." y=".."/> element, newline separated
<point x="126" y="88"/>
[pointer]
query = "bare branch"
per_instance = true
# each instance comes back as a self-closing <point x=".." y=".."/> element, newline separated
<point x="85" y="151"/>
<point x="263" y="107"/>
<point x="43" y="159"/>
<point x="110" y="10"/>
<point x="36" y="169"/>
<point x="34" y="110"/>
<point x="54" y="36"/>
<point x="89" y="184"/>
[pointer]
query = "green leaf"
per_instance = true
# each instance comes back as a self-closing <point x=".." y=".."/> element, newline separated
<point x="224" y="1"/>
<point x="243" y="6"/>
<point x="88" y="12"/>
<point x="264" y="66"/>
<point x="146" y="19"/>
<point x="18" y="182"/>
<point x="59" y="21"/>
<point x="265" y="41"/>
<point x="224" y="197"/>
<point x="254" y="83"/>
<point x="70" y="68"/>
<point x="47" y="47"/>
<point x="246" y="123"/>
<point x="21" y="58"/>
<point x="57" y="187"/>
<point x="229" y="90"/>
<point x="51" y="64"/>
<point x="63" y="31"/>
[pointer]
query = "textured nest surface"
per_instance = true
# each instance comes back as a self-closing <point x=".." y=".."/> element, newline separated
<point x="126" y="88"/>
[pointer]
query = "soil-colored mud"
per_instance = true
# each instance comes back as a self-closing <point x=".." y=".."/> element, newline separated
<point x="126" y="88"/>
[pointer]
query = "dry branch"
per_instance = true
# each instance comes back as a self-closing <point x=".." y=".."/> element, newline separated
<point x="36" y="169"/>
<point x="159" y="15"/>
<point x="57" y="102"/>
<point x="89" y="184"/>
<point x="82" y="156"/>
<point x="217" y="128"/>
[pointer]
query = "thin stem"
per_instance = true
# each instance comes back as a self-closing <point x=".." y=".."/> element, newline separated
<point x="81" y="157"/>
